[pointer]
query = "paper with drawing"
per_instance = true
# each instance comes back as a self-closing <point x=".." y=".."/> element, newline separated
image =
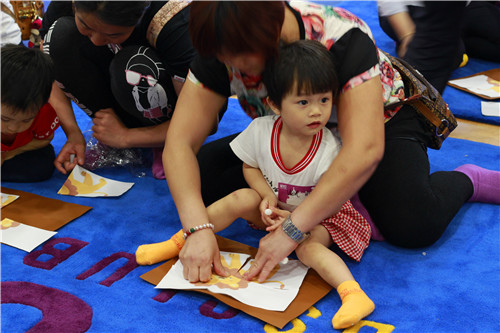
<point x="83" y="183"/>
<point x="23" y="236"/>
<point x="8" y="198"/>
<point x="479" y="84"/>
<point x="275" y="294"/>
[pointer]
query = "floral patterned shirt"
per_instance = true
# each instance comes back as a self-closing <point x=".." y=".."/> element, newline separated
<point x="350" y="41"/>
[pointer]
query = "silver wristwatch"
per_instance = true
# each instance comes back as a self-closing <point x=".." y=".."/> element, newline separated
<point x="291" y="230"/>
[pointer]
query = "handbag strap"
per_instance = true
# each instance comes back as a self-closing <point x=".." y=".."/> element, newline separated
<point x="417" y="74"/>
<point x="169" y="10"/>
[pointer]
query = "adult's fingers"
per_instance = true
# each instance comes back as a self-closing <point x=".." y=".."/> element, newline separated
<point x="219" y="269"/>
<point x="194" y="274"/>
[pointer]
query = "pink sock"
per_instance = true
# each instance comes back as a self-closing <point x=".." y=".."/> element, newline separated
<point x="376" y="235"/>
<point x="157" y="169"/>
<point x="486" y="183"/>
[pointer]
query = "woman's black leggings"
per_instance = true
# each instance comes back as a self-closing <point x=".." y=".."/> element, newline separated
<point x="134" y="81"/>
<point x="410" y="207"/>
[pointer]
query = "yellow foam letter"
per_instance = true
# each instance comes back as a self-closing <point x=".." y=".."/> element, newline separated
<point x="298" y="327"/>
<point x="313" y="312"/>
<point x="381" y="328"/>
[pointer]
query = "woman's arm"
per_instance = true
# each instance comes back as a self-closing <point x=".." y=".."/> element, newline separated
<point x="75" y="143"/>
<point x="404" y="28"/>
<point x="194" y="117"/>
<point x="361" y="126"/>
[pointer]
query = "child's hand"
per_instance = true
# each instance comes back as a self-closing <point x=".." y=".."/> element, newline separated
<point x="71" y="154"/>
<point x="267" y="205"/>
<point x="278" y="216"/>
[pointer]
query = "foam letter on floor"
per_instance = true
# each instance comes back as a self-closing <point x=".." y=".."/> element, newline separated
<point x="62" y="312"/>
<point x="381" y="328"/>
<point x="118" y="274"/>
<point x="207" y="309"/>
<point x="298" y="326"/>
<point x="164" y="296"/>
<point x="58" y="256"/>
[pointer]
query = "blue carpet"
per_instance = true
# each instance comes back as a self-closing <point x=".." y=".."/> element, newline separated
<point x="83" y="279"/>
<point x="452" y="286"/>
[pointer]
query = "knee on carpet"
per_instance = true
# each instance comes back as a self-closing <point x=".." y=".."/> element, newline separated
<point x="416" y="229"/>
<point x="416" y="235"/>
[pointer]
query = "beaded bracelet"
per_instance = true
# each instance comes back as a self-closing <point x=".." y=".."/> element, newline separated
<point x="199" y="227"/>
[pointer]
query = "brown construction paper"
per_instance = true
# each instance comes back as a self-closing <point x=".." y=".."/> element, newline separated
<point x="492" y="73"/>
<point x="312" y="290"/>
<point x="41" y="212"/>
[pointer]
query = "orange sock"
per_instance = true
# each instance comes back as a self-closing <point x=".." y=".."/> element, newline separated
<point x="355" y="305"/>
<point x="149" y="254"/>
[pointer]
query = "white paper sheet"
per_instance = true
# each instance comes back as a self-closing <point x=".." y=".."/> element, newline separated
<point x="8" y="198"/>
<point x="480" y="84"/>
<point x="23" y="236"/>
<point x="83" y="183"/>
<point x="274" y="294"/>
<point x="490" y="109"/>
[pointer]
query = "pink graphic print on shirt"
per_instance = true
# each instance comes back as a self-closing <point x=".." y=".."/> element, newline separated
<point x="290" y="196"/>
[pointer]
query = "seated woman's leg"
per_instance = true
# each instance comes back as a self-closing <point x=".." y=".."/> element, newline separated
<point x="482" y="40"/>
<point x="31" y="166"/>
<point x="410" y="207"/>
<point x="221" y="171"/>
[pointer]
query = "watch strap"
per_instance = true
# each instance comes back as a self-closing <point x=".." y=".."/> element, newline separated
<point x="293" y="232"/>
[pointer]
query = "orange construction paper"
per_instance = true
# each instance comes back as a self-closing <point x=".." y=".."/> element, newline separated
<point x="41" y="212"/>
<point x="312" y="290"/>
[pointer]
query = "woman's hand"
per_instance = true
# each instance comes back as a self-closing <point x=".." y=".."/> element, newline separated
<point x="403" y="44"/>
<point x="273" y="248"/>
<point x="199" y="254"/>
<point x="74" y="146"/>
<point x="109" y="129"/>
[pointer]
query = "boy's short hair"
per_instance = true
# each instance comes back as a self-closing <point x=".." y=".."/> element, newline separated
<point x="27" y="77"/>
<point x="304" y="65"/>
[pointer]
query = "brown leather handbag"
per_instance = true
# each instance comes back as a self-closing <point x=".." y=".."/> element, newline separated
<point x="426" y="100"/>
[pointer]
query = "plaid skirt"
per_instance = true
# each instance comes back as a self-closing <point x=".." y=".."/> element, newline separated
<point x="349" y="230"/>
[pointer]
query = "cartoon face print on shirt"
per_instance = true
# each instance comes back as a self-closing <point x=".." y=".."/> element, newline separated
<point x="143" y="73"/>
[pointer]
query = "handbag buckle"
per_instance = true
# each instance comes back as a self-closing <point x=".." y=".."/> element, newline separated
<point x="446" y="125"/>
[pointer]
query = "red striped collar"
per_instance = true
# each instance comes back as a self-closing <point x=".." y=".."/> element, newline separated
<point x="275" y="149"/>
